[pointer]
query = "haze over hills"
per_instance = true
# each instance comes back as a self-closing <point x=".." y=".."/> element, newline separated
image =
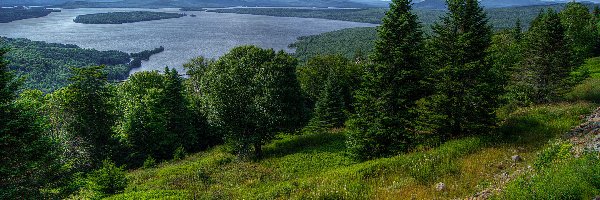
<point x="187" y="3"/>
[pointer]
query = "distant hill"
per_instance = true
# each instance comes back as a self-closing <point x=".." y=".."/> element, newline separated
<point x="209" y="3"/>
<point x="431" y="5"/>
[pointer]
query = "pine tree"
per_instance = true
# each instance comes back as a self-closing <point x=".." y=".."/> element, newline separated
<point x="467" y="86"/>
<point x="547" y="63"/>
<point x="390" y="87"/>
<point x="330" y="107"/>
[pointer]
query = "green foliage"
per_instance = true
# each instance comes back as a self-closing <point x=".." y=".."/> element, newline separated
<point x="329" y="82"/>
<point x="556" y="152"/>
<point x="544" y="71"/>
<point x="46" y="66"/>
<point x="156" y="120"/>
<point x="18" y="13"/>
<point x="571" y="178"/>
<point x="346" y="42"/>
<point x="178" y="154"/>
<point x="28" y="156"/>
<point x="150" y="162"/>
<point x="251" y="94"/>
<point x="124" y="17"/>
<point x="81" y="115"/>
<point x="387" y="97"/>
<point x="107" y="180"/>
<point x="580" y="31"/>
<point x="467" y="86"/>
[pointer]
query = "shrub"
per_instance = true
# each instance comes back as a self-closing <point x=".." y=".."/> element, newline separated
<point x="588" y="90"/>
<point x="149" y="162"/>
<point x="179" y="153"/>
<point x="107" y="180"/>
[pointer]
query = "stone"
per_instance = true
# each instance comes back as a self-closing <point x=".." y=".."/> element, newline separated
<point x="517" y="158"/>
<point x="440" y="186"/>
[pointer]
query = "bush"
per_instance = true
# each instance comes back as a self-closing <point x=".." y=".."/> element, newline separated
<point x="179" y="153"/>
<point x="107" y="180"/>
<point x="588" y="90"/>
<point x="150" y="162"/>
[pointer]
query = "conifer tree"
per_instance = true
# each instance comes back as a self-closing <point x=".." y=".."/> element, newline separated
<point x="548" y="61"/>
<point x="467" y="85"/>
<point x="329" y="109"/>
<point x="390" y="87"/>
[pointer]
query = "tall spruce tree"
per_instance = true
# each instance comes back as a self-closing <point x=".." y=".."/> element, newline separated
<point x="330" y="107"/>
<point x="467" y="86"/>
<point x="548" y="62"/>
<point x="390" y="88"/>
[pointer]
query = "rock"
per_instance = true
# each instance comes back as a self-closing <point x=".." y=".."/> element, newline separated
<point x="597" y="198"/>
<point x="517" y="158"/>
<point x="440" y="186"/>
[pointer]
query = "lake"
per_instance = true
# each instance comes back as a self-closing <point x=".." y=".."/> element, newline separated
<point x="209" y="34"/>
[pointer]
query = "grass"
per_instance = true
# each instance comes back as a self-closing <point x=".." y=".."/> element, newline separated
<point x="316" y="165"/>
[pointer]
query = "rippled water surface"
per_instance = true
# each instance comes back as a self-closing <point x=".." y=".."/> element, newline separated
<point x="209" y="34"/>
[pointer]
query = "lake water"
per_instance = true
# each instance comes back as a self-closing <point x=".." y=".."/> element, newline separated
<point x="209" y="34"/>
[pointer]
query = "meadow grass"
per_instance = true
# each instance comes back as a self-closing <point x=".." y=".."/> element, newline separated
<point x="317" y="166"/>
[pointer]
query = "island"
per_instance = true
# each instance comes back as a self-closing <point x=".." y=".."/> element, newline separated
<point x="21" y="12"/>
<point x="124" y="17"/>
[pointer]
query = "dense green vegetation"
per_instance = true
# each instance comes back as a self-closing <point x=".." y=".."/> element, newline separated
<point x="351" y="43"/>
<point x="419" y="111"/>
<point x="46" y="66"/>
<point x="18" y="13"/>
<point x="124" y="17"/>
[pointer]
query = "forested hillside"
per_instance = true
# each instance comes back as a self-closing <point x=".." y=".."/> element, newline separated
<point x="47" y="66"/>
<point x="124" y="17"/>
<point x="463" y="112"/>
<point x="19" y="13"/>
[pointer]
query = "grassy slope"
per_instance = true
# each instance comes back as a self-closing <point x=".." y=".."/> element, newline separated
<point x="316" y="165"/>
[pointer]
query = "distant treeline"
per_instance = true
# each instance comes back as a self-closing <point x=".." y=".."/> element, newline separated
<point x="124" y="17"/>
<point x="19" y="13"/>
<point x="499" y="18"/>
<point x="47" y="65"/>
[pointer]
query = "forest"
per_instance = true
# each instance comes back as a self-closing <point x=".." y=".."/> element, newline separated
<point x="47" y="66"/>
<point x="124" y="17"/>
<point x="19" y="13"/>
<point x="466" y="111"/>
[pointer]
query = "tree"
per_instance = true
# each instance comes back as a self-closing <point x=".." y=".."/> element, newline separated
<point x="28" y="156"/>
<point x="390" y="88"/>
<point x="156" y="118"/>
<point x="251" y="94"/>
<point x="330" y="109"/>
<point x="343" y="78"/>
<point x="548" y="62"/>
<point x="467" y="86"/>
<point x="82" y="115"/>
<point x="580" y="31"/>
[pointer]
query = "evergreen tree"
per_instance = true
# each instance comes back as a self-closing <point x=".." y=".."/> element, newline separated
<point x="467" y="85"/>
<point x="390" y="88"/>
<point x="548" y="62"/>
<point x="329" y="109"/>
<point x="252" y="94"/>
<point x="28" y="156"/>
<point x="580" y="31"/>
